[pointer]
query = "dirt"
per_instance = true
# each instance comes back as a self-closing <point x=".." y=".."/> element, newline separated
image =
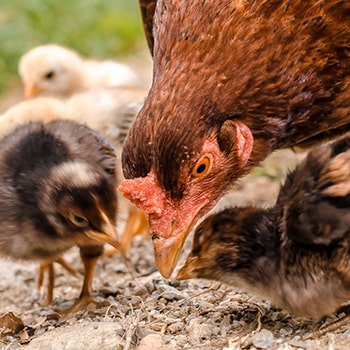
<point x="143" y="311"/>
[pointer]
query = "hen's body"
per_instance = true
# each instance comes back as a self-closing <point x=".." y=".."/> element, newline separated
<point x="235" y="80"/>
<point x="295" y="254"/>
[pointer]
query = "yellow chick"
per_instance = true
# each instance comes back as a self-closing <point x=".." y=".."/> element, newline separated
<point x="55" y="70"/>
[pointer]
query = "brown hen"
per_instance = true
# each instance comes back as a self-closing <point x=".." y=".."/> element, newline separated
<point x="233" y="81"/>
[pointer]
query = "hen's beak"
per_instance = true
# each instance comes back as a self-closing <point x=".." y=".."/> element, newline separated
<point x="32" y="91"/>
<point x="107" y="234"/>
<point x="167" y="252"/>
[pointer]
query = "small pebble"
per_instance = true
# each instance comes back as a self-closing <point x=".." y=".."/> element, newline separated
<point x="263" y="339"/>
<point x="285" y="331"/>
<point x="205" y="306"/>
<point x="181" y="340"/>
<point x="169" y="293"/>
<point x="157" y="326"/>
<point x="198" y="330"/>
<point x="143" y="332"/>
<point x="176" y="327"/>
<point x="152" y="342"/>
<point x="216" y="316"/>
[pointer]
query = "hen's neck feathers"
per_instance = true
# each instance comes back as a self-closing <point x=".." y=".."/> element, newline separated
<point x="275" y="61"/>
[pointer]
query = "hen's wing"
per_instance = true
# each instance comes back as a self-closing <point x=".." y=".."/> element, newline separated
<point x="147" y="11"/>
<point x="316" y="196"/>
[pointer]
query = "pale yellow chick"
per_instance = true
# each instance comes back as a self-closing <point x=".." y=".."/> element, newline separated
<point x="58" y="71"/>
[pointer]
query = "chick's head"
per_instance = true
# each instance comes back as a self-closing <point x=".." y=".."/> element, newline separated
<point x="80" y="200"/>
<point x="51" y="70"/>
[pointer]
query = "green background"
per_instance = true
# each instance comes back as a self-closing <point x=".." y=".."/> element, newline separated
<point x="94" y="28"/>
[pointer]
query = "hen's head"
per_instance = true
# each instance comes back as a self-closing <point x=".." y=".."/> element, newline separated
<point x="179" y="176"/>
<point x="50" y="70"/>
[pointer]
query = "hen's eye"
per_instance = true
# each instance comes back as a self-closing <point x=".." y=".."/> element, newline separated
<point x="203" y="166"/>
<point x="79" y="221"/>
<point x="49" y="75"/>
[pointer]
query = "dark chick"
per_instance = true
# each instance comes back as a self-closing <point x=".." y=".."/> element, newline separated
<point x="57" y="190"/>
<point x="110" y="111"/>
<point x="295" y="254"/>
<point x="233" y="81"/>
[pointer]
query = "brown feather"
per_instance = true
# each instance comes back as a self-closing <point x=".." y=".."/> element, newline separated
<point x="147" y="8"/>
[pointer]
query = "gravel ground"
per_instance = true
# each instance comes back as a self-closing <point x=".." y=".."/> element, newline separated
<point x="145" y="312"/>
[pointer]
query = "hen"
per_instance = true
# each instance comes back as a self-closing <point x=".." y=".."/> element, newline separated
<point x="295" y="254"/>
<point x="58" y="71"/>
<point x="232" y="82"/>
<point x="57" y="190"/>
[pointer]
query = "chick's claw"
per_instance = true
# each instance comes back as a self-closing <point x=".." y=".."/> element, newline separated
<point x="90" y="256"/>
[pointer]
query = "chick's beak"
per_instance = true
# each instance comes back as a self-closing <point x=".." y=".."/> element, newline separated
<point x="32" y="91"/>
<point x="167" y="251"/>
<point x="107" y="234"/>
<point x="187" y="271"/>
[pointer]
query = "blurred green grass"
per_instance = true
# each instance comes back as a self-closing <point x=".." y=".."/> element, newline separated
<point x="95" y="28"/>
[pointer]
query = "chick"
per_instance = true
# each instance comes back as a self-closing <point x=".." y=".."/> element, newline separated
<point x="58" y="71"/>
<point x="110" y="111"/>
<point x="295" y="254"/>
<point x="57" y="190"/>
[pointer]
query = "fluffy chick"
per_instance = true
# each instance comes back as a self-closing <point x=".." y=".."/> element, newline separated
<point x="57" y="190"/>
<point x="295" y="254"/>
<point x="111" y="111"/>
<point x="58" y="71"/>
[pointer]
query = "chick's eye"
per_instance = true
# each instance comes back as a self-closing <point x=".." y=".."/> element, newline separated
<point x="49" y="75"/>
<point x="79" y="221"/>
<point x="203" y="166"/>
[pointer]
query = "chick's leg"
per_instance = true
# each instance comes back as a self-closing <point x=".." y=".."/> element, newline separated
<point x="49" y="267"/>
<point x="89" y="256"/>
<point x="43" y="267"/>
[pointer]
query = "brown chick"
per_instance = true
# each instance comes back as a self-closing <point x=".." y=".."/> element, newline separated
<point x="57" y="190"/>
<point x="295" y="254"/>
<point x="232" y="82"/>
<point x="55" y="70"/>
